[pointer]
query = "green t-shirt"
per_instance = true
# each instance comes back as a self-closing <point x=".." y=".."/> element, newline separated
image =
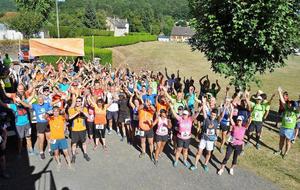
<point x="289" y="119"/>
<point x="177" y="104"/>
<point x="7" y="62"/>
<point x="154" y="85"/>
<point x="258" y="111"/>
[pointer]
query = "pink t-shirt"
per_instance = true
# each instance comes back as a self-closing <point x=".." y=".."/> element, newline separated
<point x="238" y="134"/>
<point x="162" y="126"/>
<point x="185" y="128"/>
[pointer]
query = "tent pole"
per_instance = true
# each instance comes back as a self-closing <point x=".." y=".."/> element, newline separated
<point x="93" y="45"/>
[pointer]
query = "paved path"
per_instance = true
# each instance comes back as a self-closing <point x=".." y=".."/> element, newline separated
<point x="121" y="168"/>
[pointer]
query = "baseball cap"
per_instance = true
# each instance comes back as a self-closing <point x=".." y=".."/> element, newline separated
<point x="185" y="112"/>
<point x="240" y="118"/>
<point x="258" y="98"/>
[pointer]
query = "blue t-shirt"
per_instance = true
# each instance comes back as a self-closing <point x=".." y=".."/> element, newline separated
<point x="149" y="97"/>
<point x="245" y="113"/>
<point x="20" y="114"/>
<point x="63" y="87"/>
<point x="40" y="111"/>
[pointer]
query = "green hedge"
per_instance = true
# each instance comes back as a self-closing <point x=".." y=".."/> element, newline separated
<point x="69" y="32"/>
<point x="108" y="41"/>
<point x="102" y="42"/>
<point x="104" y="54"/>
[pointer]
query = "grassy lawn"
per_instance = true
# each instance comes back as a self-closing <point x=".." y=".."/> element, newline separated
<point x="158" y="55"/>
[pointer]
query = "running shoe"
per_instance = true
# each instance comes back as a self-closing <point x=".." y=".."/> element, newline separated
<point x="205" y="167"/>
<point x="220" y="172"/>
<point x="175" y="164"/>
<point x="193" y="168"/>
<point x="187" y="164"/>
<point x="31" y="153"/>
<point x="109" y="132"/>
<point x="278" y="152"/>
<point x="257" y="146"/>
<point x="5" y="175"/>
<point x="86" y="157"/>
<point x="293" y="141"/>
<point x="156" y="162"/>
<point x="42" y="155"/>
<point x="73" y="159"/>
<point x="231" y="171"/>
<point x="152" y="157"/>
<point x="142" y="155"/>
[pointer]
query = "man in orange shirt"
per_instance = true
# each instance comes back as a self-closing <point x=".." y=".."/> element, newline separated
<point x="146" y="113"/>
<point x="78" y="114"/>
<point x="58" y="141"/>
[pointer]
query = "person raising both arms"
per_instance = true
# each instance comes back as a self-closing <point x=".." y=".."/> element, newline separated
<point x="185" y="123"/>
<point x="100" y="120"/>
<point x="163" y="125"/>
<point x="23" y="128"/>
<point x="236" y="141"/>
<point x="58" y="141"/>
<point x="77" y="114"/>
<point x="208" y="135"/>
<point x="288" y="125"/>
<point x="146" y="113"/>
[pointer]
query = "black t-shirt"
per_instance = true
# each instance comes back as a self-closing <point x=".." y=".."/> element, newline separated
<point x="207" y="130"/>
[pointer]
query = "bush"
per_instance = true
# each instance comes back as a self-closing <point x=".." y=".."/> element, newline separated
<point x="109" y="41"/>
<point x="69" y="32"/>
<point x="104" y="54"/>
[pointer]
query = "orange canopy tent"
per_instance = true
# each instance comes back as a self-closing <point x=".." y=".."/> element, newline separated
<point x="57" y="47"/>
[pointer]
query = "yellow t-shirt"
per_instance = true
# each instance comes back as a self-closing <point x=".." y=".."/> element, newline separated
<point x="57" y="127"/>
<point x="79" y="121"/>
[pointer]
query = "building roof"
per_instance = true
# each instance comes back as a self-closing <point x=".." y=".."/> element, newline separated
<point x="182" y="31"/>
<point x="119" y="23"/>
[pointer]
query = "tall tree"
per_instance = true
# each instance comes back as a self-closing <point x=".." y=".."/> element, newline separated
<point x="43" y="7"/>
<point x="90" y="17"/>
<point x="28" y="23"/>
<point x="242" y="38"/>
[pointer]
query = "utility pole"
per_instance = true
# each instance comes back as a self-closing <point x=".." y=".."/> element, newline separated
<point x="57" y="19"/>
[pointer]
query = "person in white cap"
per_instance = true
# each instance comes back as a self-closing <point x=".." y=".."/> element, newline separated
<point x="185" y="124"/>
<point x="235" y="143"/>
<point x="258" y="111"/>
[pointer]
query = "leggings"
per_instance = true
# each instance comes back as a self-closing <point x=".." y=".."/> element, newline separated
<point x="236" y="149"/>
<point x="99" y="133"/>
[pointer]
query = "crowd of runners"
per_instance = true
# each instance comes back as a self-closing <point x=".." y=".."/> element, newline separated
<point x="76" y="104"/>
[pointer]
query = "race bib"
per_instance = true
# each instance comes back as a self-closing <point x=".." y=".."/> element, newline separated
<point x="288" y="120"/>
<point x="52" y="141"/>
<point x="99" y="126"/>
<point x="210" y="132"/>
<point x="42" y="116"/>
<point x="163" y="130"/>
<point x="230" y="139"/>
<point x="127" y="121"/>
<point x="256" y="115"/>
<point x="185" y="134"/>
<point x="142" y="133"/>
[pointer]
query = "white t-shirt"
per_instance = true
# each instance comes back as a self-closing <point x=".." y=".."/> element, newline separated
<point x="114" y="106"/>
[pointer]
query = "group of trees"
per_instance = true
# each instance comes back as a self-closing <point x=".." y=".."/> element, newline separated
<point x="153" y="16"/>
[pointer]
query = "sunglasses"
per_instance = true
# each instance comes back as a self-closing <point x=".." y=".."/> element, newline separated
<point x="78" y="101"/>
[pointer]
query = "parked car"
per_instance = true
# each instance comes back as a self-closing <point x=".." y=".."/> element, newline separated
<point x="24" y="54"/>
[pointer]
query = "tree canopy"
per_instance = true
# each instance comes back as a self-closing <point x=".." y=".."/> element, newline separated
<point x="242" y="38"/>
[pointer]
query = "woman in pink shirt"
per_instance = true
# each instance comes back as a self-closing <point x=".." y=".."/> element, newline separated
<point x="236" y="142"/>
<point x="163" y="126"/>
<point x="185" y="123"/>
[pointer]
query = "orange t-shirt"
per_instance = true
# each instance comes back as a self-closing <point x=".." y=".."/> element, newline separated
<point x="145" y="119"/>
<point x="57" y="127"/>
<point x="160" y="106"/>
<point x="100" y="116"/>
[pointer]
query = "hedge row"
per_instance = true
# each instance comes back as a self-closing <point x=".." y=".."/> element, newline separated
<point x="108" y="41"/>
<point x="104" y="54"/>
<point x="70" y="32"/>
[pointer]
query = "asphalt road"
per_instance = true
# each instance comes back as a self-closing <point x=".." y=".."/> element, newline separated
<point x="121" y="168"/>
